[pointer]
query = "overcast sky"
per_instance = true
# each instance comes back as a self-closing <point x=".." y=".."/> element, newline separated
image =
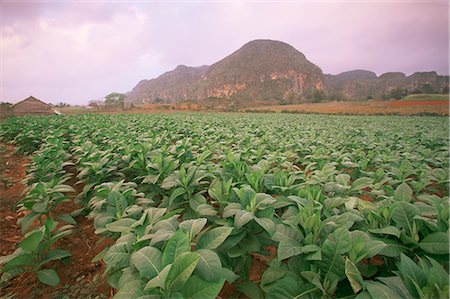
<point x="81" y="50"/>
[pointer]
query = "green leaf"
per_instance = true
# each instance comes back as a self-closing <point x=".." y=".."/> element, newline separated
<point x="181" y="270"/>
<point x="131" y="289"/>
<point x="193" y="226"/>
<point x="403" y="193"/>
<point x="41" y="206"/>
<point x="393" y="248"/>
<point x="121" y="225"/>
<point x="403" y="215"/>
<point x="267" y="224"/>
<point x="379" y="290"/>
<point x="55" y="254"/>
<point x="27" y="220"/>
<point x="411" y="274"/>
<point x="67" y="218"/>
<point x="287" y="249"/>
<point x="63" y="189"/>
<point x="353" y="276"/>
<point x="22" y="260"/>
<point x="396" y="283"/>
<point x="160" y="280"/>
<point x="178" y="244"/>
<point x="31" y="242"/>
<point x="48" y="277"/>
<point x="214" y="238"/>
<point x="117" y="256"/>
<point x="177" y="193"/>
<point x="196" y="288"/>
<point x="208" y="265"/>
<point x="388" y="230"/>
<point x="338" y="243"/>
<point x="374" y="247"/>
<point x="241" y="218"/>
<point x="251" y="290"/>
<point x="435" y="243"/>
<point x="361" y="183"/>
<point x="147" y="261"/>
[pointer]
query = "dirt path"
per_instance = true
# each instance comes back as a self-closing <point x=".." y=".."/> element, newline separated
<point x="79" y="279"/>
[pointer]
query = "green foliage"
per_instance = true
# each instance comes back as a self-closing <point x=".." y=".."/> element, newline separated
<point x="350" y="206"/>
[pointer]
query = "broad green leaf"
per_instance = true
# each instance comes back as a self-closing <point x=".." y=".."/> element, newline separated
<point x="242" y="218"/>
<point x="388" y="230"/>
<point x="196" y="288"/>
<point x="67" y="218"/>
<point x="121" y="225"/>
<point x="117" y="256"/>
<point x="411" y="274"/>
<point x="287" y="249"/>
<point x="403" y="193"/>
<point x="193" y="226"/>
<point x="379" y="290"/>
<point x="251" y="290"/>
<point x="338" y="243"/>
<point x="266" y="223"/>
<point x="214" y="238"/>
<point x="178" y="244"/>
<point x="131" y="289"/>
<point x="181" y="270"/>
<point x="208" y="265"/>
<point x="160" y="280"/>
<point x="287" y="233"/>
<point x="361" y="183"/>
<point x="396" y="283"/>
<point x="435" y="243"/>
<point x="27" y="220"/>
<point x="393" y="248"/>
<point x="48" y="276"/>
<point x="403" y="215"/>
<point x="353" y="276"/>
<point x="147" y="261"/>
<point x="63" y="189"/>
<point x="22" y="260"/>
<point x="291" y="286"/>
<point x="55" y="254"/>
<point x="32" y="240"/>
<point x="374" y="247"/>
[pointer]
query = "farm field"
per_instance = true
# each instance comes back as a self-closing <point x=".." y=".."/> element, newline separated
<point x="208" y="205"/>
<point x="437" y="105"/>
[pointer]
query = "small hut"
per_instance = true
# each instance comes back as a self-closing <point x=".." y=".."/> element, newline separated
<point x="31" y="105"/>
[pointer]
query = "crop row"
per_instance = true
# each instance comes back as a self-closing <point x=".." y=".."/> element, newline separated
<point x="351" y="206"/>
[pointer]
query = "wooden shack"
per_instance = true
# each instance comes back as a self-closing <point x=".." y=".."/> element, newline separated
<point x="31" y="105"/>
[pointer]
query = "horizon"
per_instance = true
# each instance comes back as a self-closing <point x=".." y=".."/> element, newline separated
<point x="75" y="52"/>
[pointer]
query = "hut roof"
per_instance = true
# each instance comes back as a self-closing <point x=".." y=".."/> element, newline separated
<point x="30" y="98"/>
<point x="31" y="105"/>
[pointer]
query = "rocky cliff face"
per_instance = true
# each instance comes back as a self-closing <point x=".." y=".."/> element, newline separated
<point x="261" y="69"/>
<point x="268" y="70"/>
<point x="361" y="84"/>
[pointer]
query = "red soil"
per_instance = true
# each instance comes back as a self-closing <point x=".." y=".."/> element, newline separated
<point x="418" y="103"/>
<point x="80" y="278"/>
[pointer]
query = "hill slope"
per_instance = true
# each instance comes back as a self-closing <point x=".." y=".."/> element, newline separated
<point x="261" y="69"/>
<point x="268" y="69"/>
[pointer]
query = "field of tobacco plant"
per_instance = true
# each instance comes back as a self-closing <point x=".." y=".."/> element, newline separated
<point x="336" y="207"/>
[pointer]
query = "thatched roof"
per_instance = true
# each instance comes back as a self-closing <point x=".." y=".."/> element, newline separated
<point x="31" y="105"/>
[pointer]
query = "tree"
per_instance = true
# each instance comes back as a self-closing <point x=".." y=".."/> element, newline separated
<point x="115" y="100"/>
<point x="396" y="93"/>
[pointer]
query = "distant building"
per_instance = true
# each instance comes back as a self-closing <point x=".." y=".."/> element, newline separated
<point x="31" y="105"/>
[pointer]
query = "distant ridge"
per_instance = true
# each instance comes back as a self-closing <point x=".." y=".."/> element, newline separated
<point x="272" y="70"/>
